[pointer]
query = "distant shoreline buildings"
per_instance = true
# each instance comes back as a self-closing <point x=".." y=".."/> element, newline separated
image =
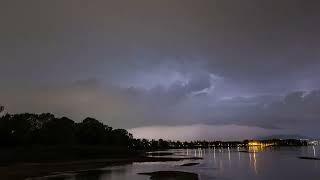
<point x="245" y="143"/>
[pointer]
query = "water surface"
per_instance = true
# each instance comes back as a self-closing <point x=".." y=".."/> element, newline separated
<point x="220" y="163"/>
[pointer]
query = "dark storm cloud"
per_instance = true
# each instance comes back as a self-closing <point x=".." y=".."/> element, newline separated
<point x="143" y="63"/>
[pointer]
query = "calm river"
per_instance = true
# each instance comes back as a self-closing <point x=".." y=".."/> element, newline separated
<point x="221" y="163"/>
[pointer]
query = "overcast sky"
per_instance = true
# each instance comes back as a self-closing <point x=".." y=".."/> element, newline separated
<point x="174" y="69"/>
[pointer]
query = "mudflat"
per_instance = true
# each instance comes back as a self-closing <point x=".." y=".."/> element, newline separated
<point x="169" y="175"/>
<point x="20" y="171"/>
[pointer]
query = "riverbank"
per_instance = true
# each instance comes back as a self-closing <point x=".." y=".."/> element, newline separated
<point x="177" y="175"/>
<point x="40" y="154"/>
<point x="23" y="170"/>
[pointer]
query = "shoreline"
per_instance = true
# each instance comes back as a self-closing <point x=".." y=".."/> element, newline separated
<point x="178" y="175"/>
<point x="20" y="171"/>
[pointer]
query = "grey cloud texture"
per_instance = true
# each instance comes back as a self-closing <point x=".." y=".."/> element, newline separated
<point x="133" y="107"/>
<point x="158" y="63"/>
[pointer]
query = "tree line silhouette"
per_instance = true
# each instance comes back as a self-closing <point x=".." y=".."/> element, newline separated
<point x="46" y="129"/>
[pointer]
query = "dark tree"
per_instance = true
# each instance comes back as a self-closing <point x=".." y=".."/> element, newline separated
<point x="15" y="129"/>
<point x="58" y="131"/>
<point x="121" y="137"/>
<point x="163" y="144"/>
<point x="92" y="132"/>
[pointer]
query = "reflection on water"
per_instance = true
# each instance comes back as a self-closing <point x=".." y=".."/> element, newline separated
<point x="219" y="163"/>
<point x="198" y="152"/>
<point x="83" y="175"/>
<point x="255" y="163"/>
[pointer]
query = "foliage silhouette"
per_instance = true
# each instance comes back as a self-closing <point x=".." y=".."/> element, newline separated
<point x="45" y="129"/>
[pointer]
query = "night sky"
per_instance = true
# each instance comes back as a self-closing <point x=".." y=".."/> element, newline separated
<point x="174" y="69"/>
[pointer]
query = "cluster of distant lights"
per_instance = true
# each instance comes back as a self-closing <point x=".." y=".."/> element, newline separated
<point x="257" y="143"/>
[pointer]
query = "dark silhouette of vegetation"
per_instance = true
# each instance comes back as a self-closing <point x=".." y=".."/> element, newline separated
<point x="45" y="129"/>
<point x="21" y="130"/>
<point x="92" y="132"/>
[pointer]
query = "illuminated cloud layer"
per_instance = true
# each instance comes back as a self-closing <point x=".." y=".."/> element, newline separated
<point x="200" y="131"/>
<point x="248" y="68"/>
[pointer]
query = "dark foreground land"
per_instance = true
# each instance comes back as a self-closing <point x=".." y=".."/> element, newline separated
<point x="177" y="175"/>
<point x="22" y="163"/>
<point x="33" y="145"/>
<point x="309" y="158"/>
<point x="22" y="171"/>
<point x="190" y="164"/>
